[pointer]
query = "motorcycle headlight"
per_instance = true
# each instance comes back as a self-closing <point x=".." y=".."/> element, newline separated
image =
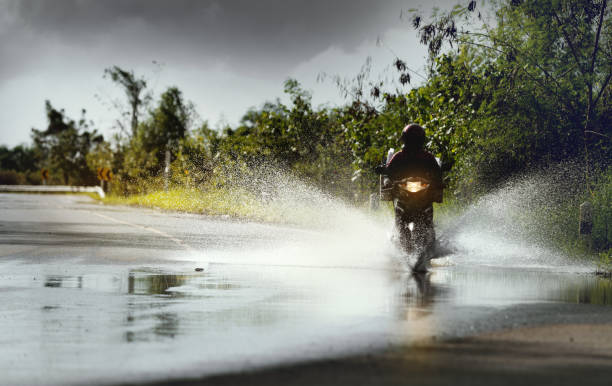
<point x="414" y="185"/>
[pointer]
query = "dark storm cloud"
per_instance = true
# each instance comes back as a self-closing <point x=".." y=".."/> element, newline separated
<point x="269" y="34"/>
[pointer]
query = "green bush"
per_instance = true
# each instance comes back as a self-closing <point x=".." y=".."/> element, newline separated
<point x="33" y="178"/>
<point x="602" y="212"/>
<point x="11" y="177"/>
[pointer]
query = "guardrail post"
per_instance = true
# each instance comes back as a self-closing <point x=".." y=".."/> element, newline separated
<point x="585" y="227"/>
<point x="374" y="201"/>
<point x="167" y="170"/>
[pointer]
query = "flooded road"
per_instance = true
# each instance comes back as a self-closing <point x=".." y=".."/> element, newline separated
<point x="95" y="294"/>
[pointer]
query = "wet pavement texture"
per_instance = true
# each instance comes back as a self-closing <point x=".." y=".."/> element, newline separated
<point x="96" y="294"/>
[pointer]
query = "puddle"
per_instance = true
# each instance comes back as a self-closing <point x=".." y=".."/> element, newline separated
<point x="68" y="319"/>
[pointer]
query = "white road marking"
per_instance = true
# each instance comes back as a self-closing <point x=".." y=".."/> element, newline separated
<point x="148" y="229"/>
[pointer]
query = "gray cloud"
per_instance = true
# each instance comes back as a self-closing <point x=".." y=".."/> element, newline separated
<point x="226" y="55"/>
<point x="272" y="35"/>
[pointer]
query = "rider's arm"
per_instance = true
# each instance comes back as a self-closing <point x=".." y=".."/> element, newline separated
<point x="437" y="182"/>
<point x="393" y="165"/>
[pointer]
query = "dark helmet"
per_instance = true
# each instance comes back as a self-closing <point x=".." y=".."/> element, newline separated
<point x="413" y="136"/>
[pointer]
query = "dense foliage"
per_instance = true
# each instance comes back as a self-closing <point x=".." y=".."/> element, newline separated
<point x="64" y="146"/>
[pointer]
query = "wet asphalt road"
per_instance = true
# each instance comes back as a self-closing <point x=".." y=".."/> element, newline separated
<point x="106" y="295"/>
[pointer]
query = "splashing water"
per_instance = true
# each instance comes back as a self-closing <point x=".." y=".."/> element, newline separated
<point x="502" y="228"/>
<point x="510" y="226"/>
<point x="332" y="232"/>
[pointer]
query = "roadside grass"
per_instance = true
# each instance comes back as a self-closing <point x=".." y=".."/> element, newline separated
<point x="211" y="201"/>
<point x="604" y="267"/>
<point x="241" y="204"/>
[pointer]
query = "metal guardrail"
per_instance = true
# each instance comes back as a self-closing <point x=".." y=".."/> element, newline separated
<point x="52" y="189"/>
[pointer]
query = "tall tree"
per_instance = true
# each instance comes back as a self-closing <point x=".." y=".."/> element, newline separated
<point x="167" y="125"/>
<point x="134" y="91"/>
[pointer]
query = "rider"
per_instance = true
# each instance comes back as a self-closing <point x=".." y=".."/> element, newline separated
<point x="414" y="161"/>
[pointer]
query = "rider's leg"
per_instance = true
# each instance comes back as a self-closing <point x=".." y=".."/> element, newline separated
<point x="424" y="229"/>
<point x="403" y="232"/>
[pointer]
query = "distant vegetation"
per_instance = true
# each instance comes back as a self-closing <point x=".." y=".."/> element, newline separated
<point x="524" y="90"/>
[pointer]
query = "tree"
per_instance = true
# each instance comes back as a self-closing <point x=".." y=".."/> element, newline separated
<point x="168" y="124"/>
<point x="133" y="88"/>
<point x="546" y="67"/>
<point x="20" y="158"/>
<point x="170" y="121"/>
<point x="63" y="147"/>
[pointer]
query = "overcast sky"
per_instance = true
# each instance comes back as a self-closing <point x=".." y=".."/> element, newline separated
<point x="226" y="56"/>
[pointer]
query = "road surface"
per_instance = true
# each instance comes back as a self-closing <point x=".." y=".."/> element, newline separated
<point x="94" y="294"/>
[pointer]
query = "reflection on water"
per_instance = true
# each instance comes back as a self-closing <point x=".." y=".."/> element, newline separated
<point x="237" y="312"/>
<point x="57" y="281"/>
<point x="144" y="283"/>
<point x="178" y="297"/>
<point x="422" y="292"/>
<point x="215" y="300"/>
<point x="598" y="291"/>
<point x="164" y="305"/>
<point x="492" y="286"/>
<point x="165" y="324"/>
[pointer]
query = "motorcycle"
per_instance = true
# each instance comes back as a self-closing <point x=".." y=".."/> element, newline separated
<point x="412" y="199"/>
